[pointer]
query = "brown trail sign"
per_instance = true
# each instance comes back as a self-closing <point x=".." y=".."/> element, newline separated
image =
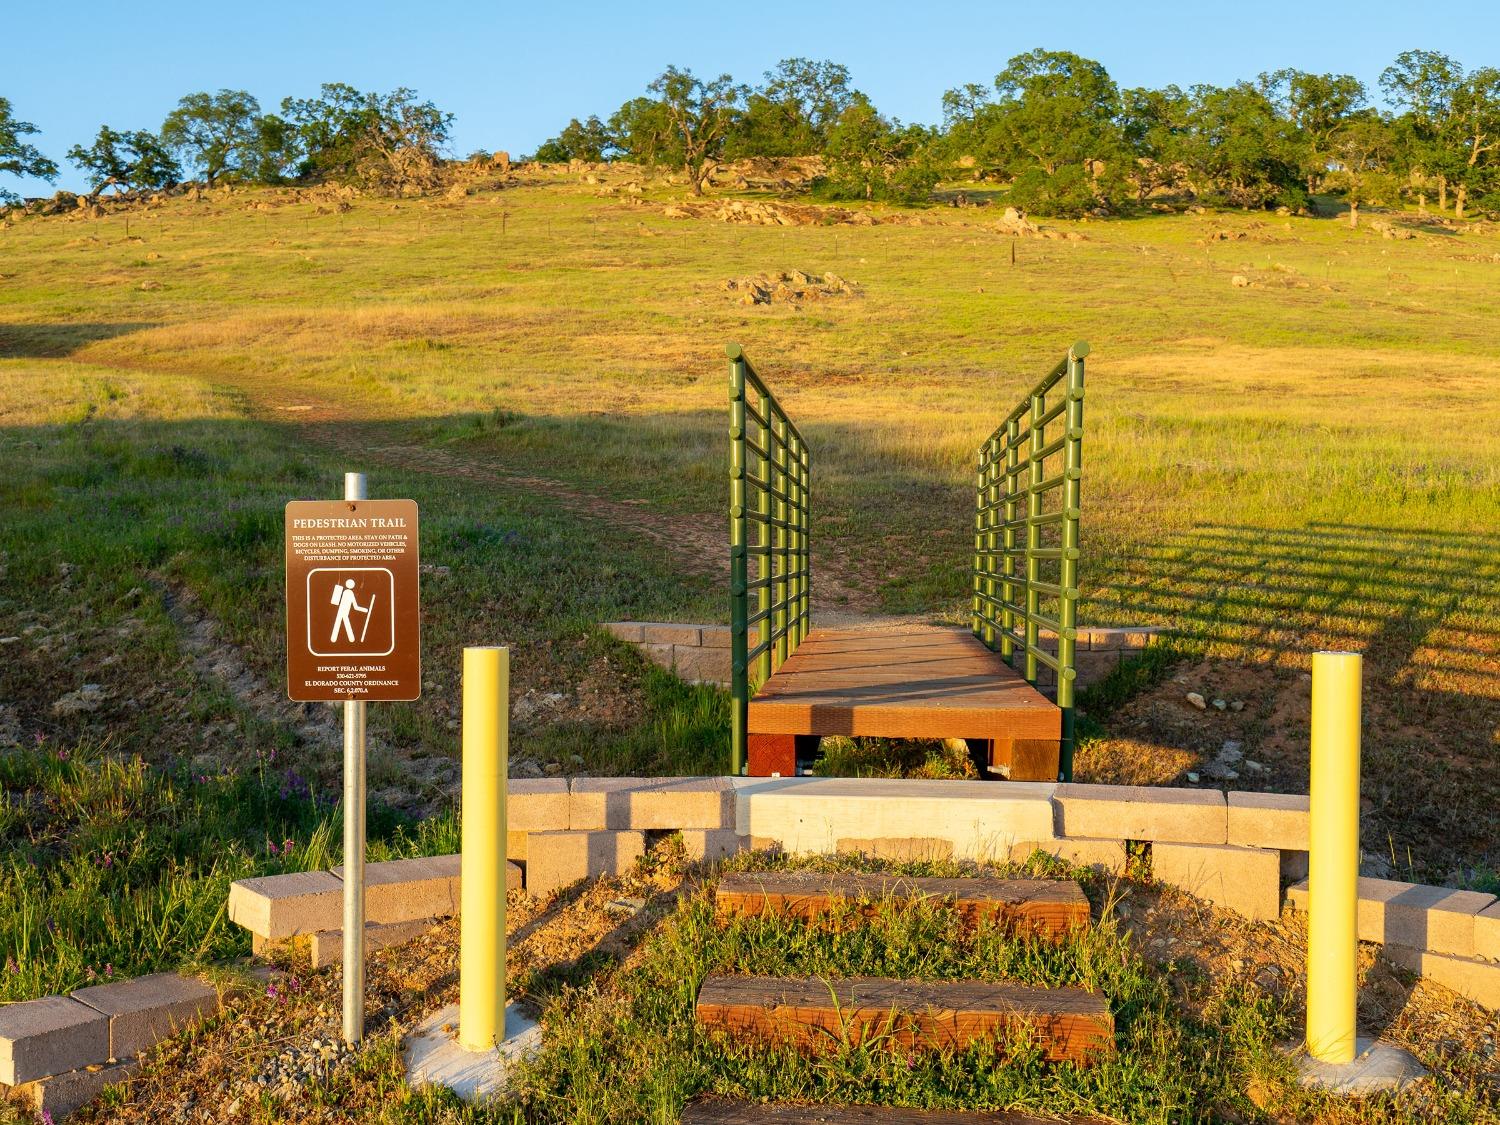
<point x="352" y="600"/>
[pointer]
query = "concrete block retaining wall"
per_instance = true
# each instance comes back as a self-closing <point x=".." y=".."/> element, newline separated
<point x="59" y="1052"/>
<point x="700" y="653"/>
<point x="1235" y="851"/>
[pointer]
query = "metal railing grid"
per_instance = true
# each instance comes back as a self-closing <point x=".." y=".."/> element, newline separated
<point x="1025" y="576"/>
<point x="769" y="492"/>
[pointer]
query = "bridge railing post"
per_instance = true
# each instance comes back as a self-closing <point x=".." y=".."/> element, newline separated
<point x="1067" y="610"/>
<point x="738" y="567"/>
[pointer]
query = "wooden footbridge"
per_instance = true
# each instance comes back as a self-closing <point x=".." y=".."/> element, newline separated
<point x="793" y="684"/>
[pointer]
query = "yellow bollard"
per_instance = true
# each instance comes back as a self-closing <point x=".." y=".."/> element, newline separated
<point x="1333" y="869"/>
<point x="481" y="956"/>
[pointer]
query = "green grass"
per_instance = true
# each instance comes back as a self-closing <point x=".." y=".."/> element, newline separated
<point x="110" y="868"/>
<point x="628" y="1049"/>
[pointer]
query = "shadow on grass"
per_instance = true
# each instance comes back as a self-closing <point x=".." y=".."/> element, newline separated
<point x="1423" y="606"/>
<point x="54" y="341"/>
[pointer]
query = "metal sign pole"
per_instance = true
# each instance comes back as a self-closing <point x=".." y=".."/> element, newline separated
<point x="354" y="842"/>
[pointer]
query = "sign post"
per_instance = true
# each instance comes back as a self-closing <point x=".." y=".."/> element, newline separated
<point x="352" y="601"/>
<point x="354" y="831"/>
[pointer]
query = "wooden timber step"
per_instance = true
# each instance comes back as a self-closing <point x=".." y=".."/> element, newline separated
<point x="1048" y="906"/>
<point x="1068" y="1023"/>
<point x="727" y="1111"/>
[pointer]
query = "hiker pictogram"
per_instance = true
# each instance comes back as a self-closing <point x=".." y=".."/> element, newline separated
<point x="350" y="611"/>
<point x="345" y="598"/>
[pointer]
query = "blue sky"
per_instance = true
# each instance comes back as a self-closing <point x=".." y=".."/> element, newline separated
<point x="514" y="73"/>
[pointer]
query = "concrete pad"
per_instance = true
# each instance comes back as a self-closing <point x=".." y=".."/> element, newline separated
<point x="560" y="859"/>
<point x="1245" y="880"/>
<point x="536" y="804"/>
<point x="649" y="803"/>
<point x="1477" y="980"/>
<point x="434" y="1058"/>
<point x="282" y="906"/>
<point x="1377" y="1066"/>
<point x="982" y="821"/>
<point x="327" y="948"/>
<point x="62" y="1094"/>
<point x="1141" y="812"/>
<point x="1413" y="915"/>
<point x="1107" y="856"/>
<point x="144" y="1011"/>
<point x="39" y="1038"/>
<point x="1269" y="820"/>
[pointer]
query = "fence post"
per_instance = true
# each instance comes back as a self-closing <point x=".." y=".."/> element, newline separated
<point x="1333" y="868"/>
<point x="1068" y="569"/>
<point x="738" y="570"/>
<point x="481" y="956"/>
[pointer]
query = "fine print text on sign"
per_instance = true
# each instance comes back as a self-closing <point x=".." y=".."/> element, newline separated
<point x="352" y="601"/>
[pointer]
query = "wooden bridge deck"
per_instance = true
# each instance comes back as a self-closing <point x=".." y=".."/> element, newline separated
<point x="903" y="682"/>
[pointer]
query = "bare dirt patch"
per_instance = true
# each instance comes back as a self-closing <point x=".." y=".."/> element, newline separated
<point x="1427" y="813"/>
<point x="789" y="287"/>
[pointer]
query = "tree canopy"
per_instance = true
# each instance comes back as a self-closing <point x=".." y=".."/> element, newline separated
<point x="130" y="160"/>
<point x="217" y="133"/>
<point x="1053" y="131"/>
<point x="19" y="157"/>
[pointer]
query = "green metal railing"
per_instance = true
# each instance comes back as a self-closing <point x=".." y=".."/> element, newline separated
<point x="1026" y="533"/>
<point x="768" y="522"/>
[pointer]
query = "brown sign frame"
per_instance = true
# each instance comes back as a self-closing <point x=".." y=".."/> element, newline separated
<point x="353" y="575"/>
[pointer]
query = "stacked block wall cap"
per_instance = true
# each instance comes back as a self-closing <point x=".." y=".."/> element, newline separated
<point x="62" y="1094"/>
<point x="1245" y="880"/>
<point x="1487" y="933"/>
<point x="403" y="890"/>
<point x="282" y="906"/>
<point x="1434" y="919"/>
<point x="559" y="859"/>
<point x="40" y="1038"/>
<point x="1477" y="980"/>
<point x="811" y="815"/>
<point x="661" y="632"/>
<point x="1269" y="820"/>
<point x="327" y="948"/>
<point x="1141" y="812"/>
<point x="650" y="803"/>
<point x="276" y="907"/>
<point x="146" y="1010"/>
<point x="536" y="804"/>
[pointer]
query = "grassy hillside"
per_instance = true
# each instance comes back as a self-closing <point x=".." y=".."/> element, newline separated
<point x="1311" y="459"/>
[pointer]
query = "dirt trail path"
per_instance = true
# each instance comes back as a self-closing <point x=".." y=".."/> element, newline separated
<point x="697" y="545"/>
